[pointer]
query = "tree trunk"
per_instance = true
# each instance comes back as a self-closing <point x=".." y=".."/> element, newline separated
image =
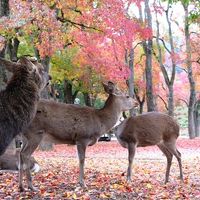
<point x="87" y="99"/>
<point x="192" y="98"/>
<point x="3" y="77"/>
<point x="169" y="81"/>
<point x="3" y="52"/>
<point x="4" y="8"/>
<point x="53" y="93"/>
<point x="172" y="78"/>
<point x="130" y="61"/>
<point x="171" y="100"/>
<point x="69" y="95"/>
<point x="140" y="101"/>
<point x="148" y="44"/>
<point x="197" y="118"/>
<point x="12" y="48"/>
<point x="4" y="11"/>
<point x="46" y="63"/>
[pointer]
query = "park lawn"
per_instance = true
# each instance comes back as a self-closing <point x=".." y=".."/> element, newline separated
<point x="105" y="174"/>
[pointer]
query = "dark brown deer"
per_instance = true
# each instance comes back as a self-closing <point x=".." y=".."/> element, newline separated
<point x="149" y="129"/>
<point x="72" y="124"/>
<point x="18" y="102"/>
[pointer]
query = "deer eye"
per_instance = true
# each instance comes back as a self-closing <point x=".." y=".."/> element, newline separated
<point x="127" y="97"/>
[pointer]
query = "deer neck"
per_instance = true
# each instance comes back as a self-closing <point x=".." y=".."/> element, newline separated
<point x="23" y="86"/>
<point x="110" y="113"/>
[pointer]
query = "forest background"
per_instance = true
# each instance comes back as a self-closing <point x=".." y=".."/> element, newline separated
<point x="150" y="49"/>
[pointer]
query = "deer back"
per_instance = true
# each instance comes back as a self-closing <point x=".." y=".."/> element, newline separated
<point x="148" y="129"/>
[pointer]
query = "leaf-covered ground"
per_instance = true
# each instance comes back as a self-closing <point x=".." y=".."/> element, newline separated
<point x="105" y="174"/>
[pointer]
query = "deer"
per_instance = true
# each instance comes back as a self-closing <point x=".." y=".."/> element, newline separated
<point x="11" y="162"/>
<point x="152" y="128"/>
<point x="72" y="124"/>
<point x="18" y="101"/>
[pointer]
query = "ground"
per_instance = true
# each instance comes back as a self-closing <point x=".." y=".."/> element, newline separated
<point x="105" y="174"/>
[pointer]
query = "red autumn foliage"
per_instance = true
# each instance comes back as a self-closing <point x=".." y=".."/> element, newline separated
<point x="106" y="163"/>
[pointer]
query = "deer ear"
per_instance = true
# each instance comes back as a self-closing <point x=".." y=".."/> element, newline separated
<point x="9" y="65"/>
<point x="109" y="87"/>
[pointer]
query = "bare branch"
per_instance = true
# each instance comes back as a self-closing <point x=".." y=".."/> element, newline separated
<point x="165" y="104"/>
<point x="184" y="102"/>
<point x="163" y="44"/>
<point x="137" y="45"/>
<point x="75" y="24"/>
<point x="163" y="87"/>
<point x="163" y="69"/>
<point x="138" y="97"/>
<point x="142" y="55"/>
<point x="78" y="25"/>
<point x="185" y="70"/>
<point x="196" y="61"/>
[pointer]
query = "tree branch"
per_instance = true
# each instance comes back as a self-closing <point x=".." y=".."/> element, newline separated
<point x="196" y="61"/>
<point x="185" y="70"/>
<point x="184" y="102"/>
<point x="163" y="44"/>
<point x="164" y="71"/>
<point x="137" y="45"/>
<point x="76" y="24"/>
<point x="165" y="104"/>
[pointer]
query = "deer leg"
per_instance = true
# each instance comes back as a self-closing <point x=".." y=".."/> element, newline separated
<point x="169" y="157"/>
<point x="131" y="154"/>
<point x="81" y="148"/>
<point x="29" y="177"/>
<point x="21" y="187"/>
<point x="33" y="140"/>
<point x="21" y="163"/>
<point x="171" y="146"/>
<point x="25" y="157"/>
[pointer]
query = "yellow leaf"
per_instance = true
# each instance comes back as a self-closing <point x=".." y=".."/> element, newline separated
<point x="149" y="186"/>
<point x="105" y="196"/>
<point x="74" y="196"/>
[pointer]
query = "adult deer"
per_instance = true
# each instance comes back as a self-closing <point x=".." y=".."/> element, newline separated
<point x="149" y="129"/>
<point x="18" y="101"/>
<point x="73" y="124"/>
